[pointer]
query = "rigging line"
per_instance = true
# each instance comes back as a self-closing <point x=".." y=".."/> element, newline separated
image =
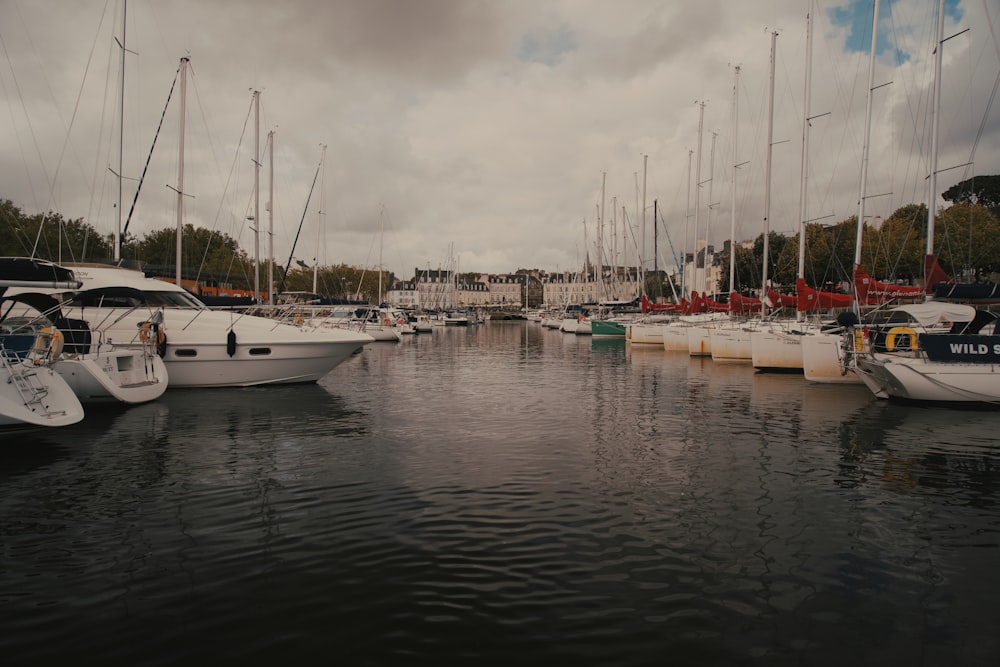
<point x="304" y="211"/>
<point x="149" y="156"/>
<point x="76" y="107"/>
<point x="237" y="231"/>
<point x="993" y="94"/>
<point x="99" y="144"/>
<point x="225" y="189"/>
<point x="911" y="155"/>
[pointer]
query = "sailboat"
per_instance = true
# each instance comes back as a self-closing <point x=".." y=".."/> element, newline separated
<point x="917" y="360"/>
<point x="32" y="393"/>
<point x="97" y="370"/>
<point x="730" y="342"/>
<point x="774" y="346"/>
<point x="821" y="355"/>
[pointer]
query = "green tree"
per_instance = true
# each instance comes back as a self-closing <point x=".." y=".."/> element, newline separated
<point x="829" y="252"/>
<point x="967" y="241"/>
<point x="203" y="252"/>
<point x="748" y="273"/>
<point x="981" y="190"/>
<point x="896" y="250"/>
<point x="61" y="239"/>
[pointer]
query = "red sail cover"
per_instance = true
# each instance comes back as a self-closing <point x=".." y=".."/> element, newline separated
<point x="648" y="306"/>
<point x="781" y="300"/>
<point x="811" y="299"/>
<point x="743" y="304"/>
<point x="933" y="273"/>
<point x="872" y="292"/>
<point x="700" y="303"/>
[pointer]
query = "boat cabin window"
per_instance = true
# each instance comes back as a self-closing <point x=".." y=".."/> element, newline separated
<point x="173" y="299"/>
<point x="106" y="301"/>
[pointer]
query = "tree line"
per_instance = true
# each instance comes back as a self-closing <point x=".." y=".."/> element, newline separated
<point x="212" y="258"/>
<point x="966" y="243"/>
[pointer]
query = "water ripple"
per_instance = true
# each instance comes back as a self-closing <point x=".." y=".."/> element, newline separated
<point x="502" y="492"/>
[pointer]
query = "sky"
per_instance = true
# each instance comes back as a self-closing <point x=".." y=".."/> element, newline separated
<point x="489" y="136"/>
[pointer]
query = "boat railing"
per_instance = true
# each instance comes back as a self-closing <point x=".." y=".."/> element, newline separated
<point x="24" y="377"/>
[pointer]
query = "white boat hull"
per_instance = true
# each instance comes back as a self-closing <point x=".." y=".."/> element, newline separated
<point x="640" y="333"/>
<point x="775" y="349"/>
<point x="917" y="379"/>
<point x="822" y="360"/>
<point x="114" y="376"/>
<point x="50" y="400"/>
<point x="675" y="338"/>
<point x="731" y="344"/>
<point x="264" y="351"/>
<point x="211" y="348"/>
<point x="699" y="341"/>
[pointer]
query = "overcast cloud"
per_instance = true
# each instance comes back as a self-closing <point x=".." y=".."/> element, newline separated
<point x="481" y="125"/>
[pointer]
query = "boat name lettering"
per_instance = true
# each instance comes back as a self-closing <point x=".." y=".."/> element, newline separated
<point x="973" y="348"/>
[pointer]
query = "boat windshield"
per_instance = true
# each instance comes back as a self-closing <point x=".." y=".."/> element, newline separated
<point x="126" y="297"/>
<point x="170" y="299"/>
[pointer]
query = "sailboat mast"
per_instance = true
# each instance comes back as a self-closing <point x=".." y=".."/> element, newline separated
<point x="625" y="266"/>
<point x="804" y="166"/>
<point x="180" y="170"/>
<point x="697" y="189"/>
<point x="935" y="113"/>
<point x="708" y="221"/>
<point x="736" y="166"/>
<point x="864" y="150"/>
<point x="642" y="249"/>
<point x="256" y="195"/>
<point x="614" y="244"/>
<point x="600" y="247"/>
<point x="319" y="219"/>
<point x="121" y="141"/>
<point x="767" y="172"/>
<point x="381" y="233"/>
<point x="687" y="229"/>
<point x="270" y="219"/>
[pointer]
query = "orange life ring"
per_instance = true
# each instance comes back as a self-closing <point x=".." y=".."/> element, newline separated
<point x="146" y="331"/>
<point x="48" y="344"/>
<point x="899" y="332"/>
<point x="387" y="322"/>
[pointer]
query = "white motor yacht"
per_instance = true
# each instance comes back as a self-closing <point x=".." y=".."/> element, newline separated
<point x="202" y="347"/>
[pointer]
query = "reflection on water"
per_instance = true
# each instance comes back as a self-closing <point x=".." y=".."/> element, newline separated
<point x="499" y="491"/>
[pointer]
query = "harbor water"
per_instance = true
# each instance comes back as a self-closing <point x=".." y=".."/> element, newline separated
<point x="507" y="493"/>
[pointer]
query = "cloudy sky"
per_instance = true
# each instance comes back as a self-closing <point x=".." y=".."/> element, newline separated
<point x="479" y="132"/>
